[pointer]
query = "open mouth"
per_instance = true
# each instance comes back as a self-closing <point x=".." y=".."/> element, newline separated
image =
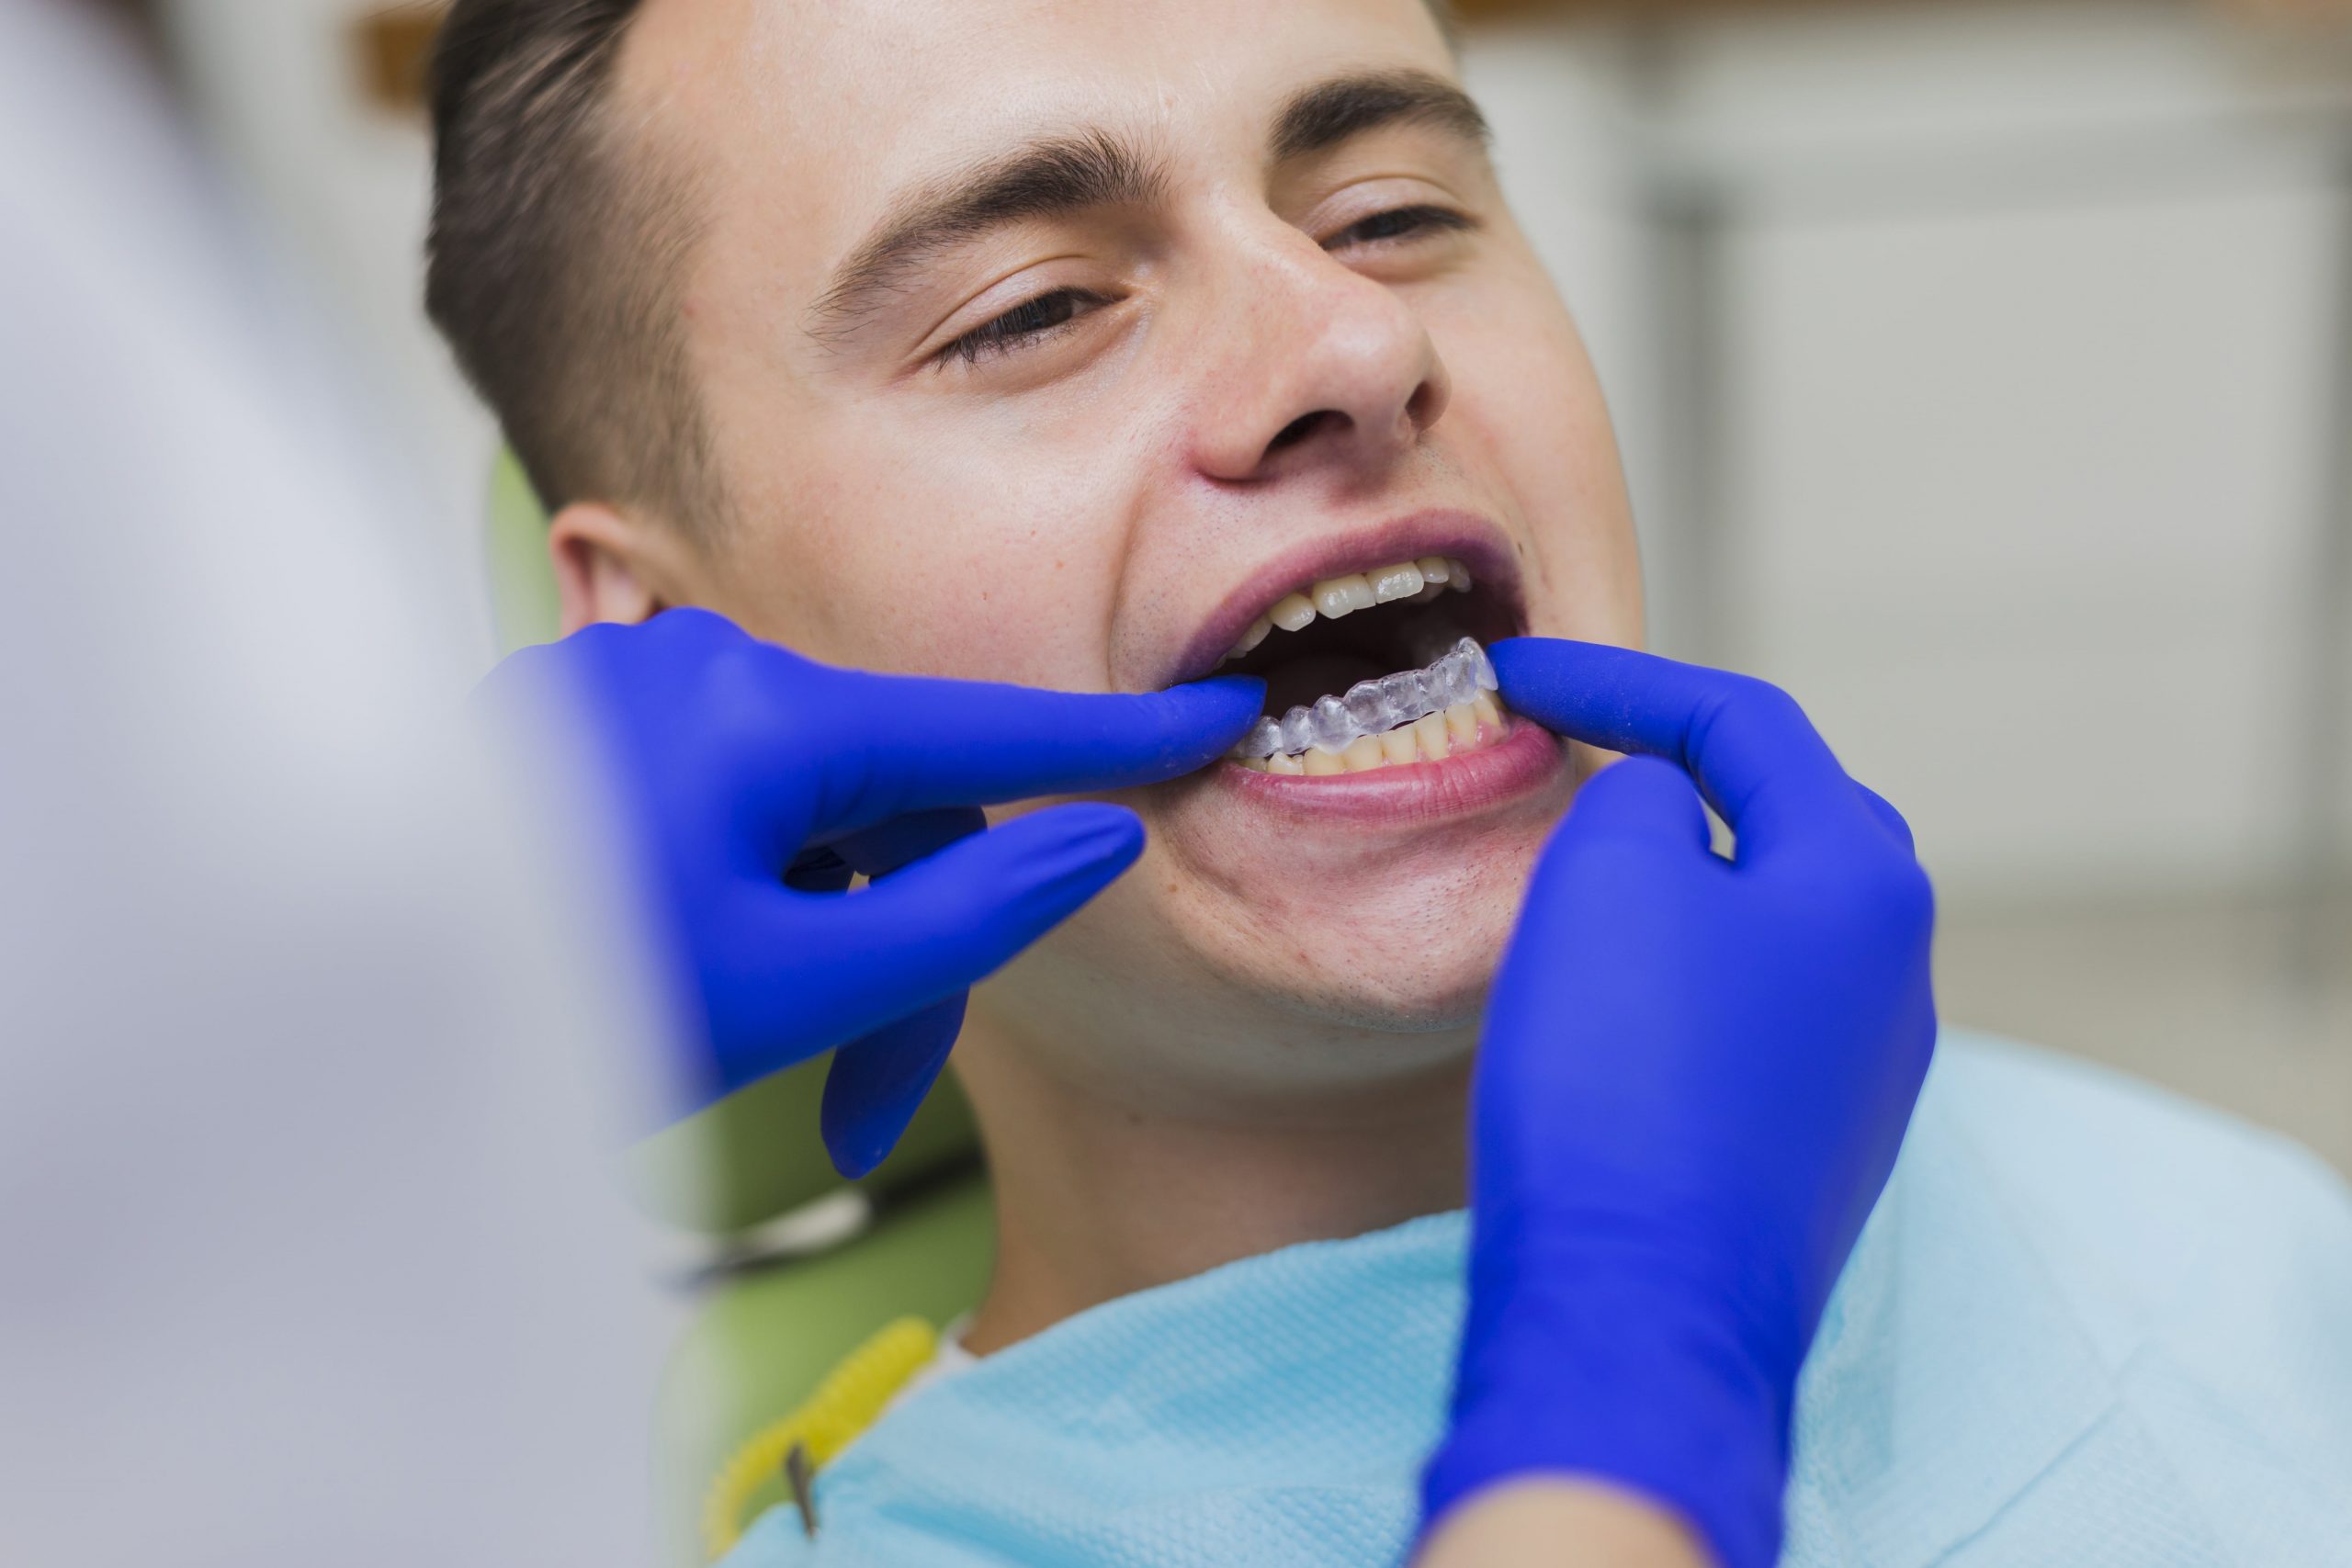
<point x="1374" y="669"/>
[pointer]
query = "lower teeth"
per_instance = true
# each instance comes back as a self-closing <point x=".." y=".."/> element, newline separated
<point x="1377" y="722"/>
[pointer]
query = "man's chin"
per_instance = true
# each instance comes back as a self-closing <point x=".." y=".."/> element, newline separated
<point x="1412" y="1021"/>
<point x="1409" y="953"/>
<point x="1230" y="963"/>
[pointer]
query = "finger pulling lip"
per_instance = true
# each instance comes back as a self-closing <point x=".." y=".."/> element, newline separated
<point x="1475" y="540"/>
<point x="1527" y="760"/>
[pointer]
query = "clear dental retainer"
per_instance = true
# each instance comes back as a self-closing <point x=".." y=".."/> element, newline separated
<point x="1374" y="707"/>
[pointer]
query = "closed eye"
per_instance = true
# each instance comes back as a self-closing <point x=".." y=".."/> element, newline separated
<point x="1026" y="323"/>
<point x="1401" y="223"/>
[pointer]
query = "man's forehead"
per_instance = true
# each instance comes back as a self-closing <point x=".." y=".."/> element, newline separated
<point x="826" y="109"/>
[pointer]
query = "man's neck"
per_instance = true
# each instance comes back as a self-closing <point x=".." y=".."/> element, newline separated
<point x="1096" y="1200"/>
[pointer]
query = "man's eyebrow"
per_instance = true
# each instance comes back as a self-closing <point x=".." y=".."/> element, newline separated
<point x="1046" y="178"/>
<point x="1329" y="113"/>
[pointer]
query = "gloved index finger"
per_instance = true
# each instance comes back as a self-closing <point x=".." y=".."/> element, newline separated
<point x="911" y="743"/>
<point x="1754" y="754"/>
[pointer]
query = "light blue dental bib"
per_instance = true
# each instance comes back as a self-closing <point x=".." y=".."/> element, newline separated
<point x="2087" y="1326"/>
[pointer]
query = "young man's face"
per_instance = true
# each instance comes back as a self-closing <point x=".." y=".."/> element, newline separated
<point x="1056" y="343"/>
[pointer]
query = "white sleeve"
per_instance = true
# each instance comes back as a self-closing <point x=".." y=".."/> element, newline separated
<point x="310" y="1250"/>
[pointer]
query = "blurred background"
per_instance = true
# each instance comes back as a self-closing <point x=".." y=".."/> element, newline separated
<point x="1983" y="371"/>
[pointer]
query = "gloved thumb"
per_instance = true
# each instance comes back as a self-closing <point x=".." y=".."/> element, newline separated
<point x="1638" y="798"/>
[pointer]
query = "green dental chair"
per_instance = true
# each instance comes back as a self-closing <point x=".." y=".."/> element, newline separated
<point x="804" y="1268"/>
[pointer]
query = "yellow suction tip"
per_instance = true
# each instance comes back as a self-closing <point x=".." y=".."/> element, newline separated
<point x="851" y="1399"/>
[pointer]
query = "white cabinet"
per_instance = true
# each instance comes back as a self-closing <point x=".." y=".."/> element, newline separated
<point x="2023" y="502"/>
<point x="1979" y="369"/>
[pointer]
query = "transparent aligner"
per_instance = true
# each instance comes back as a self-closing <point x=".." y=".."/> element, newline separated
<point x="1459" y="678"/>
<point x="1332" y="726"/>
<point x="1482" y="671"/>
<point x="1264" y="739"/>
<point x="1297" y="731"/>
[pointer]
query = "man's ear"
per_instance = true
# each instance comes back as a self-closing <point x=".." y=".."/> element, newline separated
<point x="609" y="567"/>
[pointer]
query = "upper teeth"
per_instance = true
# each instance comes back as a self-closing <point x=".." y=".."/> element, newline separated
<point x="1333" y="597"/>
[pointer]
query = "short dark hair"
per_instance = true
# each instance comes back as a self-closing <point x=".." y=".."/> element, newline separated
<point x="556" y="257"/>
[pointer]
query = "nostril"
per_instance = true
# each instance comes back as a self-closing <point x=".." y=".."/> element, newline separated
<point x="1427" y="402"/>
<point x="1304" y="426"/>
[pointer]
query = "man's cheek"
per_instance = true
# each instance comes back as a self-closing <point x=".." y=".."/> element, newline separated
<point x="1127" y="940"/>
<point x="995" y="618"/>
<point x="998" y="603"/>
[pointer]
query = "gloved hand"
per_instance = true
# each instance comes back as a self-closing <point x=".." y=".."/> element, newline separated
<point x="750" y="783"/>
<point x="1694" y="1078"/>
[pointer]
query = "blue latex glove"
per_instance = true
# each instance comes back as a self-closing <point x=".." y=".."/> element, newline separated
<point x="1694" y="1078"/>
<point x="752" y="782"/>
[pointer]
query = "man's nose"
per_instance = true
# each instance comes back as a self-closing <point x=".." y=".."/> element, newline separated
<point x="1328" y="369"/>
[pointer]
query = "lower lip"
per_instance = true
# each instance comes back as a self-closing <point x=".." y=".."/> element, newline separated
<point x="1526" y="760"/>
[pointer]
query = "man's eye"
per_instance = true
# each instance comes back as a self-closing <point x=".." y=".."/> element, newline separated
<point x="1030" y="320"/>
<point x="1400" y="223"/>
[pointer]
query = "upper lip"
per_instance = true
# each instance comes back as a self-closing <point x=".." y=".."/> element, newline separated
<point x="1476" y="541"/>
